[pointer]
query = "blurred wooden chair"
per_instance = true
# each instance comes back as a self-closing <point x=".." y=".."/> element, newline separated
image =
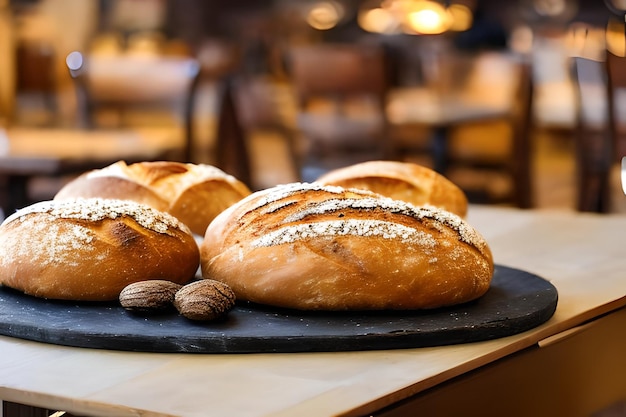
<point x="266" y="110"/>
<point x="121" y="91"/>
<point x="616" y="95"/>
<point x="231" y="145"/>
<point x="341" y="95"/>
<point x="594" y="136"/>
<point x="254" y="138"/>
<point x="491" y="157"/>
<point x="35" y="62"/>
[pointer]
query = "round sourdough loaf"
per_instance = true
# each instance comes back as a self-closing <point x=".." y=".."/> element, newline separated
<point x="405" y="181"/>
<point x="194" y="193"/>
<point x="90" y="249"/>
<point x="315" y="247"/>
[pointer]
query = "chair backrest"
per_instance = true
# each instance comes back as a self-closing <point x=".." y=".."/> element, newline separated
<point x="338" y="70"/>
<point x="341" y="94"/>
<point x="248" y="112"/>
<point x="35" y="67"/>
<point x="510" y="155"/>
<point x="231" y="147"/>
<point x="124" y="82"/>
<point x="616" y="96"/>
<point x="522" y="138"/>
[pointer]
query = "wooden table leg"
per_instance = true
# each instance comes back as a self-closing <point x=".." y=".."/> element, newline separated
<point x="14" y="193"/>
<point x="440" y="149"/>
<point x="10" y="409"/>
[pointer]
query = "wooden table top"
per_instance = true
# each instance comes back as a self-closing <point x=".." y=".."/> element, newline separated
<point x="37" y="151"/>
<point x="424" y="106"/>
<point x="480" y="89"/>
<point x="581" y="254"/>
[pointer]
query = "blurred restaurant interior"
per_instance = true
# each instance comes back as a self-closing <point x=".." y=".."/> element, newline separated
<point x="518" y="102"/>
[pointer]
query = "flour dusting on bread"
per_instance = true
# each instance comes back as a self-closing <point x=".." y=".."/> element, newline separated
<point x="351" y="227"/>
<point x="97" y="209"/>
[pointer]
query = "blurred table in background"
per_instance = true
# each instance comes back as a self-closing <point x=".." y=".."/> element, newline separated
<point x="463" y="89"/>
<point x="136" y="90"/>
<point x="26" y="153"/>
<point x="422" y="106"/>
<point x="486" y="91"/>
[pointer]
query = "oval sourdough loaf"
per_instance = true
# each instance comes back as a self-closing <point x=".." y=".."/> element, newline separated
<point x="194" y="193"/>
<point x="90" y="249"/>
<point x="405" y="181"/>
<point x="315" y="247"/>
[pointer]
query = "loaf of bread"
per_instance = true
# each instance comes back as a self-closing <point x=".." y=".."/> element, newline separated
<point x="90" y="249"/>
<point x="194" y="193"/>
<point x="405" y="181"/>
<point x="315" y="247"/>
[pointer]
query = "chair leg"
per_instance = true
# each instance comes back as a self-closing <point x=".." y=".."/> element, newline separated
<point x="440" y="149"/>
<point x="232" y="150"/>
<point x="523" y="180"/>
<point x="10" y="409"/>
<point x="594" y="157"/>
<point x="594" y="193"/>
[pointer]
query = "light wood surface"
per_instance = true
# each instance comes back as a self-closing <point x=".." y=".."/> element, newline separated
<point x="36" y="151"/>
<point x="27" y="153"/>
<point x="423" y="106"/>
<point x="581" y="254"/>
<point x="481" y="90"/>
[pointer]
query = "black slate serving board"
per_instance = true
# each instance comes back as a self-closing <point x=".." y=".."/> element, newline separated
<point x="517" y="301"/>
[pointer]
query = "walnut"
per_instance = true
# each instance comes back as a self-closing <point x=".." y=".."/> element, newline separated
<point x="204" y="300"/>
<point x="149" y="296"/>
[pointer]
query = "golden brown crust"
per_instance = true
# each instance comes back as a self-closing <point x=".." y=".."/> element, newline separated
<point x="112" y="187"/>
<point x="90" y="249"/>
<point x="405" y="181"/>
<point x="194" y="193"/>
<point x="308" y="246"/>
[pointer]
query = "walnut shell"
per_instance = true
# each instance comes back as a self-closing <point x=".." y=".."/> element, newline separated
<point x="148" y="296"/>
<point x="204" y="300"/>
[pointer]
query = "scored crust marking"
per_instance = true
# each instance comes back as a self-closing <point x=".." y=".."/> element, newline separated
<point x="97" y="209"/>
<point x="287" y="190"/>
<point x="278" y="205"/>
<point x="272" y="201"/>
<point x="332" y="205"/>
<point x="280" y="192"/>
<point x="466" y="233"/>
<point x="352" y="227"/>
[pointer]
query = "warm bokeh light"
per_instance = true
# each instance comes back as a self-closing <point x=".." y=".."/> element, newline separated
<point x="550" y="7"/>
<point x="378" y="20"/>
<point x="615" y="37"/>
<point x="587" y="41"/>
<point x="325" y="15"/>
<point x="616" y="5"/>
<point x="462" y="17"/>
<point x="521" y="39"/>
<point x="414" y="17"/>
<point x="428" y="17"/>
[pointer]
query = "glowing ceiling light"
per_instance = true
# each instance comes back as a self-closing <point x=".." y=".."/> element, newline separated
<point x="428" y="17"/>
<point x="324" y="15"/>
<point x="550" y="7"/>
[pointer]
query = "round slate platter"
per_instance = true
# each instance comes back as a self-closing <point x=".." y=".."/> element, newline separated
<point x="517" y="301"/>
